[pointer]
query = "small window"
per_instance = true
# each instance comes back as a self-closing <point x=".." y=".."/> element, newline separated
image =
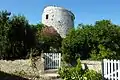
<point x="47" y="16"/>
<point x="59" y="21"/>
<point x="72" y="18"/>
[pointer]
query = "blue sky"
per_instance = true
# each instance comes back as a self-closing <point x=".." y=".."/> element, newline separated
<point x="86" y="11"/>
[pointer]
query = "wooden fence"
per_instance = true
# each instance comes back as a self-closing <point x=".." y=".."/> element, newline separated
<point x="52" y="60"/>
<point x="111" y="69"/>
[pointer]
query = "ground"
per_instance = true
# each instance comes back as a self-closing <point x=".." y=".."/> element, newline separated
<point x="46" y="76"/>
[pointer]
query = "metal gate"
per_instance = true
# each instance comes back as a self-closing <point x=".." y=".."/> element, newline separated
<point x="52" y="60"/>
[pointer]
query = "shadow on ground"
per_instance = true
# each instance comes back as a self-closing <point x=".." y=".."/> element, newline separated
<point x="6" y="76"/>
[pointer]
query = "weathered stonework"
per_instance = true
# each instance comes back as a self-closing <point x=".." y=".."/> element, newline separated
<point x="92" y="65"/>
<point x="87" y="64"/>
<point x="59" y="18"/>
<point x="17" y="66"/>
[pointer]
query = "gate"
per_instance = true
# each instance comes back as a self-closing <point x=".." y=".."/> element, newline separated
<point x="52" y="60"/>
<point x="111" y="69"/>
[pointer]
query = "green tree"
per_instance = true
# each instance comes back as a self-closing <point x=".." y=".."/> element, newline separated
<point x="77" y="43"/>
<point x="17" y="36"/>
<point x="107" y="35"/>
<point x="50" y="39"/>
<point x="22" y="37"/>
<point x="4" y="28"/>
<point x="86" y="39"/>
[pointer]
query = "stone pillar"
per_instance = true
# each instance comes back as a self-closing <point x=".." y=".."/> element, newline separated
<point x="40" y="65"/>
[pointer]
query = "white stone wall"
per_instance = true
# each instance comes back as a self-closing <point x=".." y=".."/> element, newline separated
<point x="22" y="65"/>
<point x="92" y="65"/>
<point x="59" y="18"/>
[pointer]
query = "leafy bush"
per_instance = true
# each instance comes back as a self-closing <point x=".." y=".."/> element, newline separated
<point x="86" y="40"/>
<point x="77" y="73"/>
<point x="69" y="73"/>
<point x="51" y="40"/>
<point x="17" y="36"/>
<point x="103" y="53"/>
<point x="92" y="75"/>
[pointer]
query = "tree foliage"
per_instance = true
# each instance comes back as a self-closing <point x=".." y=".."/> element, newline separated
<point x="4" y="28"/>
<point x="17" y="36"/>
<point x="21" y="36"/>
<point x="86" y="40"/>
<point x="50" y="39"/>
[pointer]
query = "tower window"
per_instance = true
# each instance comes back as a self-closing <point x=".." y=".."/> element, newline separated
<point x="47" y="16"/>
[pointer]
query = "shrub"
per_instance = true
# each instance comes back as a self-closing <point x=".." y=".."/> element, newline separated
<point x="103" y="53"/>
<point x="92" y="75"/>
<point x="86" y="39"/>
<point x="77" y="73"/>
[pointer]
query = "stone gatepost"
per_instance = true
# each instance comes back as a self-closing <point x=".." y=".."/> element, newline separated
<point x="40" y="65"/>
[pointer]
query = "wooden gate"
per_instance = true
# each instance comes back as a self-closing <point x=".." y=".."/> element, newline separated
<point x="52" y="60"/>
<point x="111" y="69"/>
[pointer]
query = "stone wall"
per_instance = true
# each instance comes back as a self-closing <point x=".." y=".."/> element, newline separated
<point x="26" y="66"/>
<point x="29" y="69"/>
<point x="93" y="65"/>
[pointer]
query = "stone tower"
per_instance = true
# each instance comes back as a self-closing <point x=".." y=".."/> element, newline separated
<point x="59" y="18"/>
